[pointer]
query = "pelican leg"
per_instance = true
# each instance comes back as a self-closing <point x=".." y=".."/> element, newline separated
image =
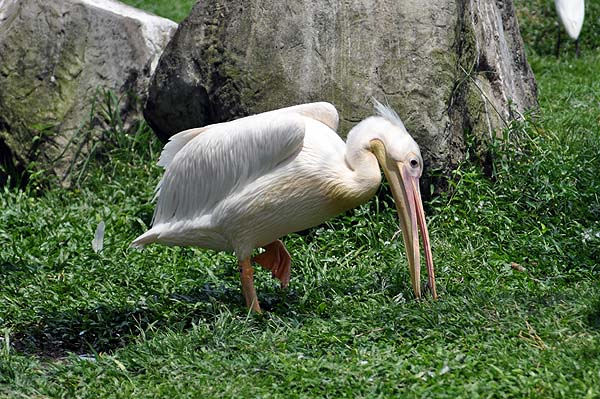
<point x="247" y="277"/>
<point x="557" y="51"/>
<point x="278" y="260"/>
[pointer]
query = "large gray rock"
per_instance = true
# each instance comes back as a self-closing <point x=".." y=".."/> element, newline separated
<point x="446" y="66"/>
<point x="55" y="57"/>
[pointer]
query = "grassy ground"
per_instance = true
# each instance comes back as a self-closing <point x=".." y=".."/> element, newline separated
<point x="171" y="322"/>
<point x="539" y="27"/>
<point x="175" y="10"/>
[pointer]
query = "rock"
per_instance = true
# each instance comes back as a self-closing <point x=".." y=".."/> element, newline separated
<point x="445" y="66"/>
<point x="57" y="56"/>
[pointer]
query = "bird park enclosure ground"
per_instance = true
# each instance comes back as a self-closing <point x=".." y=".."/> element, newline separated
<point x="518" y="268"/>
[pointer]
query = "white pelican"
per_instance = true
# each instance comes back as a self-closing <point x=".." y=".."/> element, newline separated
<point x="241" y="185"/>
<point x="570" y="13"/>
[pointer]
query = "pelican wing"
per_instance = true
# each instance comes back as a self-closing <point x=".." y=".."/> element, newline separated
<point x="203" y="166"/>
<point x="322" y="111"/>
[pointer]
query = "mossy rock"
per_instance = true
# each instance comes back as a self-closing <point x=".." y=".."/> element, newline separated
<point x="57" y="57"/>
<point x="427" y="59"/>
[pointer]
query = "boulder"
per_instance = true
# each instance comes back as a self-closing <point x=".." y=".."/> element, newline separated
<point x="58" y="59"/>
<point x="446" y="66"/>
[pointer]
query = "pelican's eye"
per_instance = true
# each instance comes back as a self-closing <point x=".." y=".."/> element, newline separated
<point x="414" y="163"/>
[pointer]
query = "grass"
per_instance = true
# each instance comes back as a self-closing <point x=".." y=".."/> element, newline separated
<point x="174" y="10"/>
<point x="171" y="321"/>
<point x="539" y="25"/>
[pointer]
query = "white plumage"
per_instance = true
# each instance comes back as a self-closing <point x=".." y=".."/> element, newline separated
<point x="571" y="14"/>
<point x="243" y="184"/>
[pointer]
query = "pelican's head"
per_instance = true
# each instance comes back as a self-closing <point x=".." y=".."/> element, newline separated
<point x="401" y="161"/>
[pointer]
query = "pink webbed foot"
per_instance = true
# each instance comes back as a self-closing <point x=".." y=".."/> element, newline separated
<point x="277" y="259"/>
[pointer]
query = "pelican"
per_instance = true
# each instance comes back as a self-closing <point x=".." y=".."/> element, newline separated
<point x="570" y="13"/>
<point x="241" y="185"/>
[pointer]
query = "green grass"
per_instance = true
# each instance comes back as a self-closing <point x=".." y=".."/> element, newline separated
<point x="175" y="10"/>
<point x="170" y="322"/>
<point x="539" y="26"/>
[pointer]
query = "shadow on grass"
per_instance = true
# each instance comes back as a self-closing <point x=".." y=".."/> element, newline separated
<point x="593" y="318"/>
<point x="106" y="327"/>
<point x="11" y="268"/>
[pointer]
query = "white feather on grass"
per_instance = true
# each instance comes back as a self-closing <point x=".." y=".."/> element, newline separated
<point x="98" y="241"/>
